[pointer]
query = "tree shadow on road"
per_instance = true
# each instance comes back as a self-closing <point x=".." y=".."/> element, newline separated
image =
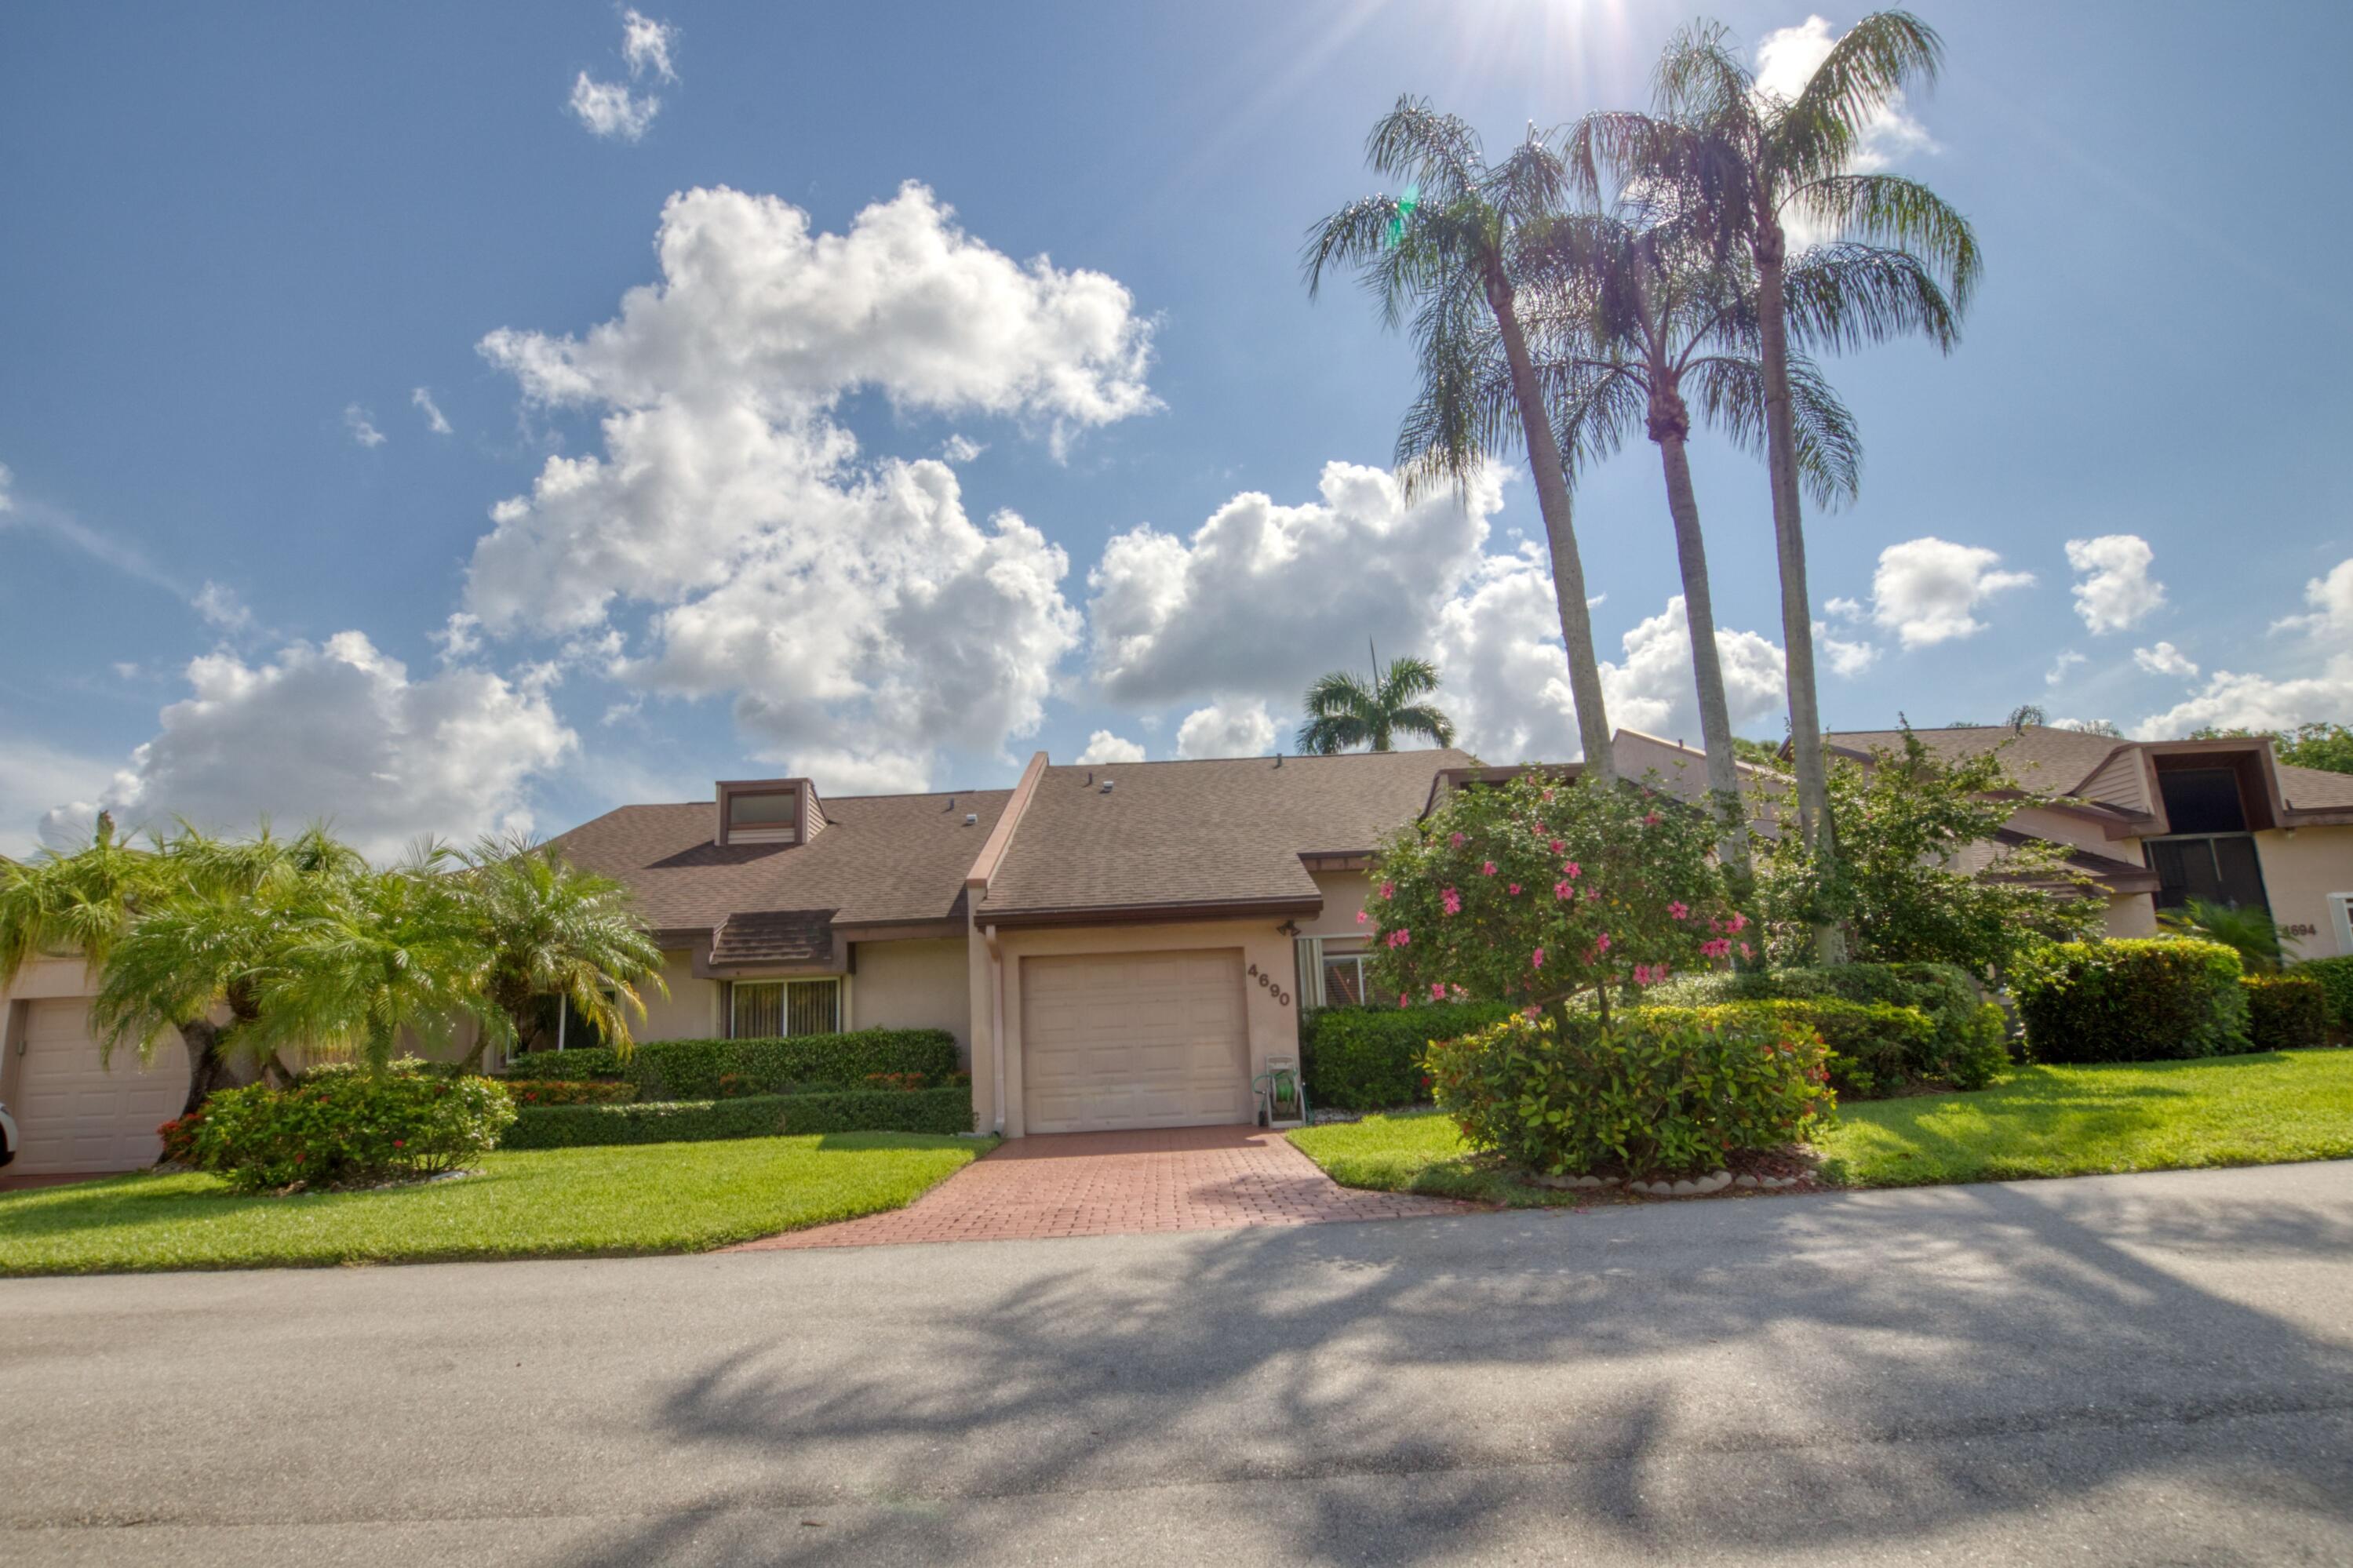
<point x="1883" y="1360"/>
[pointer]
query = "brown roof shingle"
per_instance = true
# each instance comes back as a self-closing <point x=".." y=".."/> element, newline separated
<point x="1227" y="831"/>
<point x="880" y="859"/>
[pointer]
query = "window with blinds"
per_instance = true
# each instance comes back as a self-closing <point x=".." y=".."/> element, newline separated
<point x="765" y="1009"/>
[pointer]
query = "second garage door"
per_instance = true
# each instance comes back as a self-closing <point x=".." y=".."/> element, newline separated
<point x="76" y="1115"/>
<point x="1150" y="1039"/>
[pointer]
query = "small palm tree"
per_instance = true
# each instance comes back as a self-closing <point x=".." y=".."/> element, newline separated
<point x="2246" y="929"/>
<point x="1449" y="251"/>
<point x="1744" y="164"/>
<point x="384" y="954"/>
<point x="553" y="930"/>
<point x="1344" y="712"/>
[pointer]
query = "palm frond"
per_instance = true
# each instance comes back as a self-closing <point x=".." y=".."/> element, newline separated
<point x="1891" y="210"/>
<point x="1439" y="152"/>
<point x="1728" y="390"/>
<point x="1873" y="65"/>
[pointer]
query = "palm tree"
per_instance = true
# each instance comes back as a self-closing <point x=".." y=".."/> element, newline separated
<point x="1646" y="312"/>
<point x="552" y="929"/>
<point x="1343" y="712"/>
<point x="384" y="954"/>
<point x="209" y="939"/>
<point x="2246" y="928"/>
<point x="1745" y="163"/>
<point x="1450" y="248"/>
<point x="71" y="904"/>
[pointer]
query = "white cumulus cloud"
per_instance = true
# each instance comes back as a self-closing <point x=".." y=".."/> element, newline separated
<point x="2067" y="659"/>
<point x="614" y="110"/>
<point x="2230" y="700"/>
<point x="862" y="620"/>
<point x="339" y="731"/>
<point x="362" y="425"/>
<point x="220" y="608"/>
<point x="1102" y="746"/>
<point x="2114" y="590"/>
<point x="1786" y="58"/>
<point x="1928" y="591"/>
<point x="2166" y="659"/>
<point x="1232" y="728"/>
<point x="645" y="44"/>
<point x="1845" y="658"/>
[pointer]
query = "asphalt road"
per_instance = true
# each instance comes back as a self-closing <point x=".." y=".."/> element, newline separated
<point x="2136" y="1369"/>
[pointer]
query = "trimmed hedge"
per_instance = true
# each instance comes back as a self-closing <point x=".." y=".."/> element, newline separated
<point x="2286" y="1012"/>
<point x="1369" y="1059"/>
<point x="691" y="1069"/>
<point x="943" y="1111"/>
<point x="2335" y="977"/>
<point x="2132" y="1000"/>
<point x="1967" y="1047"/>
<point x="527" y="1091"/>
<point x="1873" y="1047"/>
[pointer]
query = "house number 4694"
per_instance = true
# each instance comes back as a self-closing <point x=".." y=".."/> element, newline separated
<point x="1268" y="982"/>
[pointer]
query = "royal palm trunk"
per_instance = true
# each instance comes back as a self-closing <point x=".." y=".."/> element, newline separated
<point x="1708" y="666"/>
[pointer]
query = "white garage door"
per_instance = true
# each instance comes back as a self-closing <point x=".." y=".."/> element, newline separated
<point x="1154" y="1039"/>
<point x="76" y="1115"/>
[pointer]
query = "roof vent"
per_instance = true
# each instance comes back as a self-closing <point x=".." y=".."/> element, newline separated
<point x="972" y="819"/>
<point x="1106" y="785"/>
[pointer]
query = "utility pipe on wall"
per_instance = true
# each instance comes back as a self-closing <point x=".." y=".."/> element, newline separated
<point x="997" y="1020"/>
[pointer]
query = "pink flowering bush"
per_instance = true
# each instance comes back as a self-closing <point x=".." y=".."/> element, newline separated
<point x="1541" y="891"/>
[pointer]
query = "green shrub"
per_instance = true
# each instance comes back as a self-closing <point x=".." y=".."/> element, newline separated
<point x="1967" y="1045"/>
<point x="2335" y="977"/>
<point x="2286" y="1012"/>
<point x="1873" y="1046"/>
<point x="691" y="1069"/>
<point x="529" y="1091"/>
<point x="1659" y="1089"/>
<point x="939" y="1110"/>
<point x="2147" y="999"/>
<point x="343" y="1126"/>
<point x="1369" y="1059"/>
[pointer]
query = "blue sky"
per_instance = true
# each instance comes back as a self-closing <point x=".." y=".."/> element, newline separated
<point x="860" y="486"/>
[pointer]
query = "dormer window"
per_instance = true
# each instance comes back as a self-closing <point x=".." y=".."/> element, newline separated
<point x="768" y="811"/>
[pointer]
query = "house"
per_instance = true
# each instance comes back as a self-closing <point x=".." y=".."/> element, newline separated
<point x="1130" y="945"/>
<point x="2158" y="823"/>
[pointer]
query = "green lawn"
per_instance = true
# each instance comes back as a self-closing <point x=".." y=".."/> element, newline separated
<point x="656" y="1198"/>
<point x="2038" y="1122"/>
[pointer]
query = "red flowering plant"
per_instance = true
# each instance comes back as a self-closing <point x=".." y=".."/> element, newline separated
<point x="1543" y="889"/>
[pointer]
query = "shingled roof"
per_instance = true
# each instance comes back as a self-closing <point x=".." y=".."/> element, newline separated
<point x="1202" y="836"/>
<point x="881" y="859"/>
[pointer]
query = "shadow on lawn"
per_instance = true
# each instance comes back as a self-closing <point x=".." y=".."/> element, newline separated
<point x="1887" y="1373"/>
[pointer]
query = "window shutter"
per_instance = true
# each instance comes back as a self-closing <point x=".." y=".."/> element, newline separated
<point x="1311" y="971"/>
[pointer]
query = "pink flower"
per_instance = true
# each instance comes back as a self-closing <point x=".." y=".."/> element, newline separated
<point x="1591" y="894"/>
<point x="1737" y="922"/>
<point x="1641" y="975"/>
<point x="1438" y="990"/>
<point x="1404" y="1000"/>
<point x="1556" y="846"/>
<point x="1363" y="919"/>
<point x="1488" y="869"/>
<point x="1460" y="993"/>
<point x="1455" y="840"/>
<point x="1563" y="891"/>
<point x="1747" y="951"/>
<point x="1649" y="819"/>
<point x="1536" y="959"/>
<point x="1452" y="901"/>
<point x="1388" y="890"/>
<point x="1530" y="1011"/>
<point x="1678" y="910"/>
<point x="1514" y="889"/>
<point x="1398" y="938"/>
<point x="1572" y="870"/>
<point x="1601" y="942"/>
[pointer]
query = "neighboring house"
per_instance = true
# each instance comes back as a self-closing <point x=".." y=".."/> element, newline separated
<point x="1129" y="945"/>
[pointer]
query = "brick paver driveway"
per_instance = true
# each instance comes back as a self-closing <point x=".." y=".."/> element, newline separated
<point x="1115" y="1183"/>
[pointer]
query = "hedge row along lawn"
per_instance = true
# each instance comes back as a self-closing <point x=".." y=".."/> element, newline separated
<point x="551" y="1203"/>
<point x="2038" y="1122"/>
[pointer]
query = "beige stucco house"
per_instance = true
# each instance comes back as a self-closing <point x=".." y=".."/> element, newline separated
<point x="1130" y="945"/>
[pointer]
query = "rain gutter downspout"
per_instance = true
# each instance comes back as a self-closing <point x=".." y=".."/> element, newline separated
<point x="997" y="1020"/>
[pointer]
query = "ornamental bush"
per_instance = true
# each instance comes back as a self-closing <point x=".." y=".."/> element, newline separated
<point x="2286" y="1012"/>
<point x="2335" y="977"/>
<point x="942" y="1110"/>
<point x="2142" y="999"/>
<point x="691" y="1069"/>
<point x="1873" y="1046"/>
<point x="1660" y="1090"/>
<point x="1369" y="1059"/>
<point x="1542" y="888"/>
<point x="1968" y="1047"/>
<point x="345" y="1126"/>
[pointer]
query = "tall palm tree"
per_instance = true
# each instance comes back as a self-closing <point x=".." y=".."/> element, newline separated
<point x="552" y="929"/>
<point x="1448" y="249"/>
<point x="1660" y="313"/>
<point x="1746" y="162"/>
<point x="1344" y="712"/>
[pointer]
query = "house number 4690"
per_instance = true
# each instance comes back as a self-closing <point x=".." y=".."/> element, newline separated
<point x="1268" y="982"/>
